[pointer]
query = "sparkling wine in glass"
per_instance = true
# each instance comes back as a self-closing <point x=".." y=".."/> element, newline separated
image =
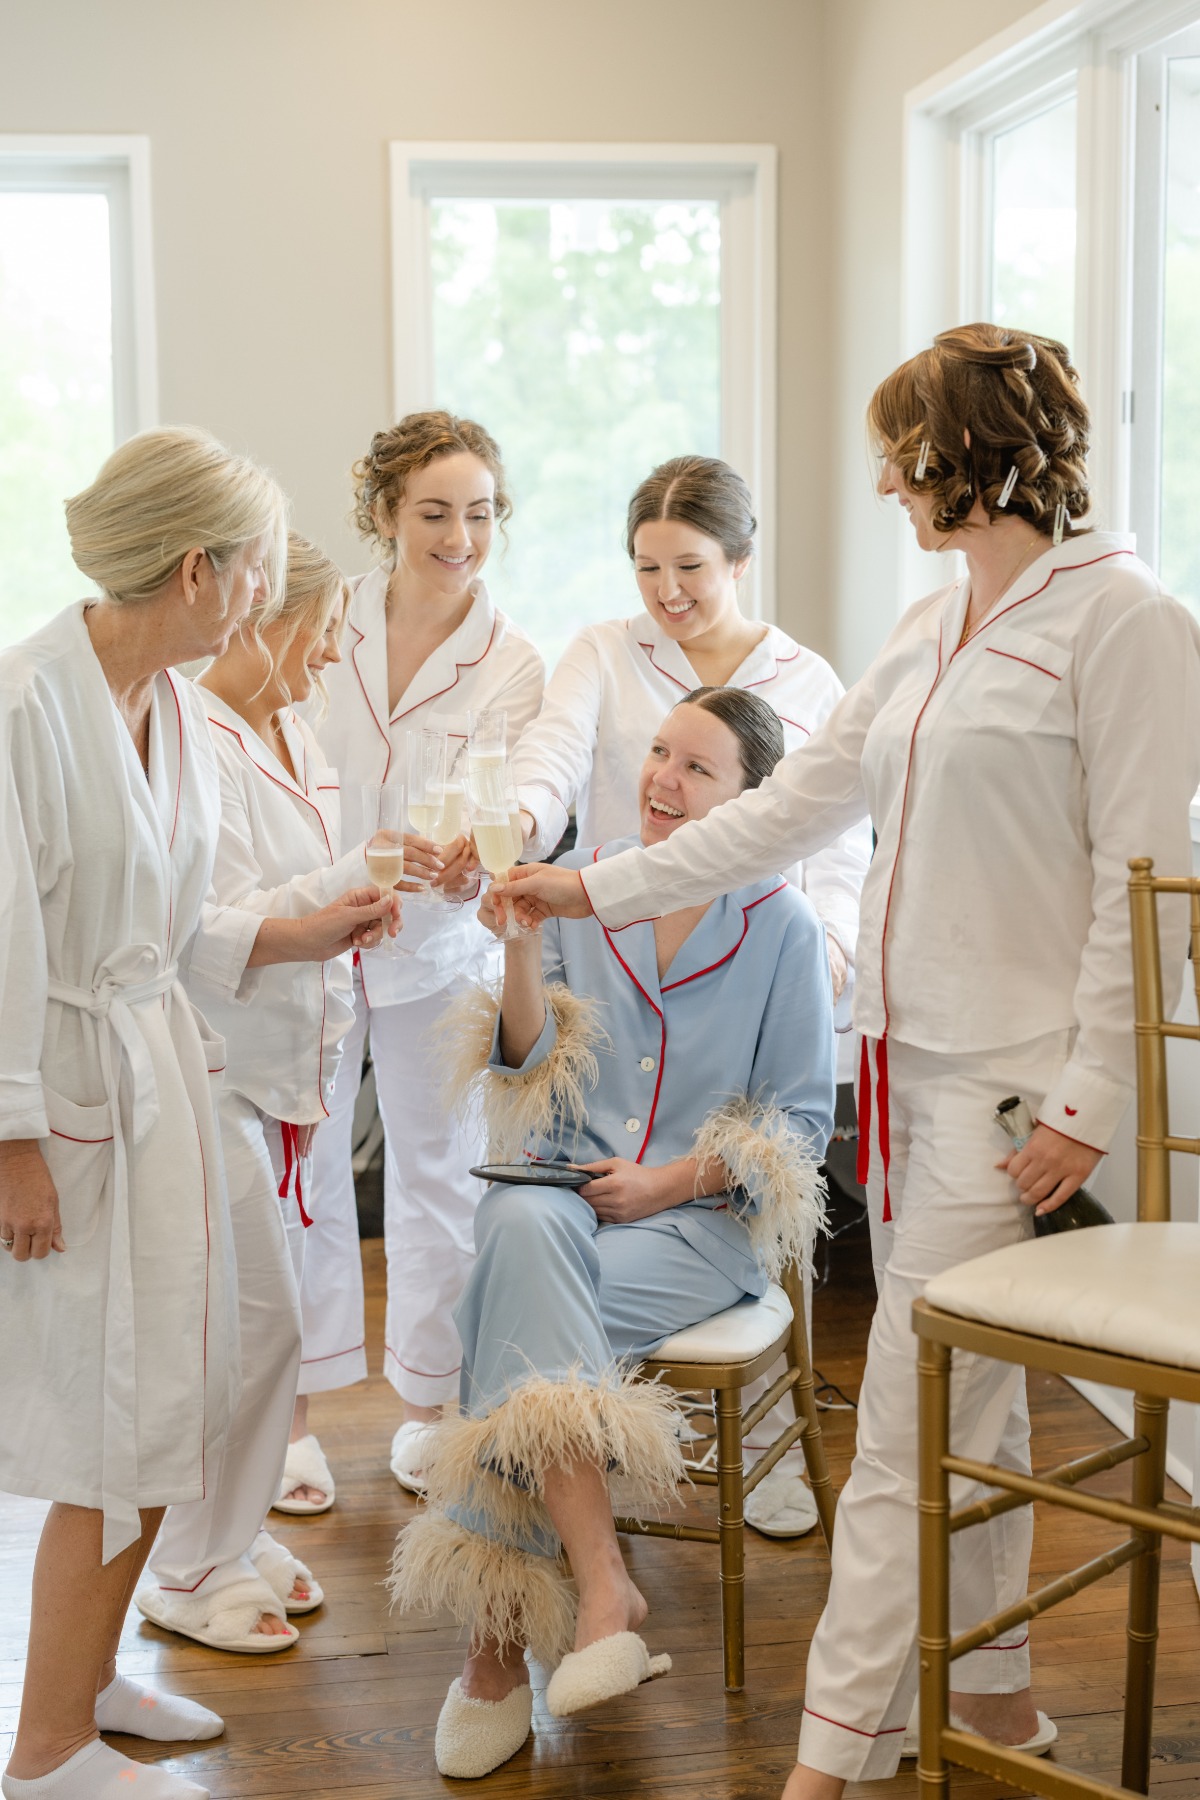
<point x="383" y="814"/>
<point x="491" y="826"/>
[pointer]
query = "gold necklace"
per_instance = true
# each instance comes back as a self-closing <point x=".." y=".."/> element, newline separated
<point x="967" y="631"/>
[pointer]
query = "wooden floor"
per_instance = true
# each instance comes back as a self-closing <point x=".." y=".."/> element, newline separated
<point x="351" y="1710"/>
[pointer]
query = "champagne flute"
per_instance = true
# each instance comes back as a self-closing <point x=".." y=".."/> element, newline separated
<point x="487" y="745"/>
<point x="383" y="815"/>
<point x="433" y="811"/>
<point x="491" y="827"/>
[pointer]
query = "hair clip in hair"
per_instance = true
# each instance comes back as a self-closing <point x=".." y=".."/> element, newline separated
<point x="922" y="461"/>
<point x="1060" y="521"/>
<point x="1006" y="490"/>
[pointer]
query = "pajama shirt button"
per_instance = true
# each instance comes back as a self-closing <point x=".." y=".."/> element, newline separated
<point x="647" y="1063"/>
<point x="633" y="1124"/>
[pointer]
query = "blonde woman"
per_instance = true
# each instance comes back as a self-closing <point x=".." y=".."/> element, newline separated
<point x="423" y="641"/>
<point x="118" y="1326"/>
<point x="217" y="1575"/>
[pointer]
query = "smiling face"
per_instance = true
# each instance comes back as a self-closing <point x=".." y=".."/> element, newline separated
<point x="444" y="522"/>
<point x="918" y="506"/>
<point x="687" y="582"/>
<point x="312" y="649"/>
<point x="694" y="764"/>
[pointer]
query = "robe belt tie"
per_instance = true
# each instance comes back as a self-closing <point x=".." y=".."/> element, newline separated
<point x="864" y="1117"/>
<point x="292" y="1158"/>
<point x="121" y="983"/>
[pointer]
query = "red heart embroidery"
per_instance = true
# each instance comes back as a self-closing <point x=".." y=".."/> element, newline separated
<point x="1070" y="1111"/>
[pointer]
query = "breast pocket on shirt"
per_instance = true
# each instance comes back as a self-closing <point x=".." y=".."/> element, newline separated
<point x="329" y="799"/>
<point x="79" y="1156"/>
<point x="1018" y="682"/>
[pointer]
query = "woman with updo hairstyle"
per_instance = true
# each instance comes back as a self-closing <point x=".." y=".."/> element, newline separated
<point x="118" y="1309"/>
<point x="424" y="645"/>
<point x="688" y="1080"/>
<point x="1022" y="733"/>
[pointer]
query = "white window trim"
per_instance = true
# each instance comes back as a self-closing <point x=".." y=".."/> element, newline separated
<point x="119" y="167"/>
<point x="742" y="176"/>
<point x="1016" y="73"/>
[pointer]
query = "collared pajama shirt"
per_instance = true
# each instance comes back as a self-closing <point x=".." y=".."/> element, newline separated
<point x="1010" y="779"/>
<point x="743" y="1009"/>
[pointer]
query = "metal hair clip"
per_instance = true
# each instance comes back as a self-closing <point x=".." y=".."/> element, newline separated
<point x="922" y="461"/>
<point x="1009" y="485"/>
<point x="1060" y="521"/>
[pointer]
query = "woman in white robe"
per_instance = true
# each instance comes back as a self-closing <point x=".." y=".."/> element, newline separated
<point x="424" y="645"/>
<point x="1022" y="733"/>
<point x="118" y="1329"/>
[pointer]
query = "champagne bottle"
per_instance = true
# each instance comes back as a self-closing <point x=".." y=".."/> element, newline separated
<point x="1082" y="1209"/>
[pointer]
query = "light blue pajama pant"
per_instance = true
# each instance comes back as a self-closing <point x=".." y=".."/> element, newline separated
<point x="554" y="1291"/>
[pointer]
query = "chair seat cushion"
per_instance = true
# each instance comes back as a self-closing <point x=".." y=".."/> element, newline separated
<point x="735" y="1335"/>
<point x="1131" y="1289"/>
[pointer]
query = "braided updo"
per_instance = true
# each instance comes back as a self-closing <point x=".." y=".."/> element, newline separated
<point x="1017" y="396"/>
<point x="381" y="476"/>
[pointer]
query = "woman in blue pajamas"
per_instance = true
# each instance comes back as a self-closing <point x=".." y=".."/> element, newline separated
<point x="688" y="1064"/>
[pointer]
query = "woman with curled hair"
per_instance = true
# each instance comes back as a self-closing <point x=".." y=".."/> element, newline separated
<point x="688" y="1070"/>
<point x="1022" y="733"/>
<point x="118" y="1322"/>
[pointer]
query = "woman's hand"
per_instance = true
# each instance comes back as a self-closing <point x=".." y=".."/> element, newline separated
<point x="1050" y="1168"/>
<point x="30" y="1225"/>
<point x="839" y="968"/>
<point x="304" y="1138"/>
<point x="539" y="891"/>
<point x="355" y="921"/>
<point x="624" y="1191"/>
<point x="423" y="862"/>
<point x="460" y="867"/>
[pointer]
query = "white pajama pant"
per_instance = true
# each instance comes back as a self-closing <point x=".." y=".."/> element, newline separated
<point x="429" y="1204"/>
<point x="948" y="1203"/>
<point x="206" y="1545"/>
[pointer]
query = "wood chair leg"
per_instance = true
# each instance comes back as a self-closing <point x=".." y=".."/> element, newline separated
<point x="804" y="1401"/>
<point x="933" y="1387"/>
<point x="732" y="1534"/>
<point x="1149" y="1479"/>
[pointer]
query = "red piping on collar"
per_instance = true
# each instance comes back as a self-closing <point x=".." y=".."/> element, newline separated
<point x="1065" y="569"/>
<point x="362" y="684"/>
<point x="746" y="911"/>
<point x="458" y="669"/>
<point x="288" y="787"/>
<point x="179" y="773"/>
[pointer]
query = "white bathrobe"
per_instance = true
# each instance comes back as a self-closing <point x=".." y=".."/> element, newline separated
<point x="120" y="1354"/>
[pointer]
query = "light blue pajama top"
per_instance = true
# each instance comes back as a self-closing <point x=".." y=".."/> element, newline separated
<point x="745" y="1010"/>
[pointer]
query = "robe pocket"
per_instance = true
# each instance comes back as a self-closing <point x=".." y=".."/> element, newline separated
<point x="1020" y="682"/>
<point x="212" y="1047"/>
<point x="79" y="1156"/>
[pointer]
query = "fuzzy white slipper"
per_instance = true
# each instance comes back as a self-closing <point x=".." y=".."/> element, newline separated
<point x="781" y="1506"/>
<point x="305" y="1466"/>
<point x="409" y="1447"/>
<point x="476" y="1736"/>
<point x="1045" y="1735"/>
<point x="224" y="1620"/>
<point x="612" y="1665"/>
<point x="281" y="1571"/>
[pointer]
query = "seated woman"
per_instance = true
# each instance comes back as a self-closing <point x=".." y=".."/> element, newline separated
<point x="688" y="1065"/>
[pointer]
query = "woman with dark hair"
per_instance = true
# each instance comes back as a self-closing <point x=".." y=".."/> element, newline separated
<point x="1022" y="733"/>
<point x="689" y="1071"/>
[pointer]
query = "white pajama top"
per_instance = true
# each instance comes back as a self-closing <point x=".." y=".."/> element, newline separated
<point x="1009" y="779"/>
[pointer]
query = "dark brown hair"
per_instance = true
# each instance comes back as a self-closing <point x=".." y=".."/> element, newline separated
<point x="1017" y="395"/>
<point x="700" y="491"/>
<point x="381" y="476"/>
<point x="753" y="723"/>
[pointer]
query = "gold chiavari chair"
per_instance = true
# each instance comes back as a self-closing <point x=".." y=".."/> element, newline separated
<point x="1117" y="1305"/>
<point x="725" y="1354"/>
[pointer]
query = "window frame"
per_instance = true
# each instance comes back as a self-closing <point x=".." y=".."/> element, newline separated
<point x="1090" y="44"/>
<point x="119" y="168"/>
<point x="742" y="177"/>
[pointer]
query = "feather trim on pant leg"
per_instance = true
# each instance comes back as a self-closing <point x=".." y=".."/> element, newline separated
<point x="496" y="1465"/>
<point x="545" y="1103"/>
<point x="777" y="1169"/>
<point x="497" y="1591"/>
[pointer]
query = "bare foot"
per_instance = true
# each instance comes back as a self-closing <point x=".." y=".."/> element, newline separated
<point x="300" y="1591"/>
<point x="270" y="1625"/>
<point x="1005" y="1718"/>
<point x="420" y="1415"/>
<point x="489" y="1674"/>
<point x="810" y="1784"/>
<point x="609" y="1605"/>
<point x="310" y="1496"/>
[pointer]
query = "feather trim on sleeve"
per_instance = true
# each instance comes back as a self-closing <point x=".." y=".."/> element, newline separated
<point x="776" y="1168"/>
<point x="545" y="1102"/>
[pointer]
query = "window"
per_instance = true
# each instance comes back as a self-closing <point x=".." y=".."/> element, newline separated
<point x="1164" y="395"/>
<point x="76" y="350"/>
<point x="1053" y="182"/>
<point x="597" y="313"/>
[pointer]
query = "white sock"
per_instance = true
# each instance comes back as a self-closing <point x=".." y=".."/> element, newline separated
<point x="98" y="1773"/>
<point x="126" y="1706"/>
